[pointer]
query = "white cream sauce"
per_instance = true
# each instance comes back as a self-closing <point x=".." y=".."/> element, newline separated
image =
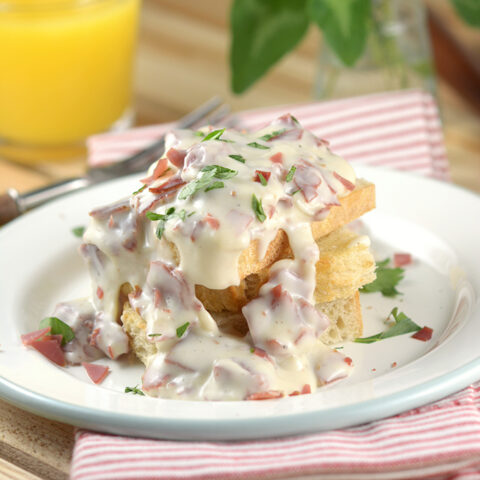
<point x="282" y="353"/>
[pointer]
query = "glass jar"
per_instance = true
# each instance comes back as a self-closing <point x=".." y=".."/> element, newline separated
<point x="397" y="55"/>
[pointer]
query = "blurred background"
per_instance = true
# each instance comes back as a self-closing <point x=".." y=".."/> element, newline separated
<point x="182" y="59"/>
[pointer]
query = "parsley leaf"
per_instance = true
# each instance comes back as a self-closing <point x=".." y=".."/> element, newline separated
<point x="57" y="327"/>
<point x="258" y="145"/>
<point x="163" y="219"/>
<point x="270" y="136"/>
<point x="134" y="390"/>
<point x="181" y="330"/>
<point x="196" y="185"/>
<point x="154" y="334"/>
<point x="198" y="133"/>
<point x="78" y="231"/>
<point x="220" y="172"/>
<point x="291" y="173"/>
<point x="141" y="189"/>
<point x="402" y="325"/>
<point x="214" y="185"/>
<point x="238" y="158"/>
<point x="294" y="120"/>
<point x="258" y="209"/>
<point x="262" y="179"/>
<point x="386" y="281"/>
<point x="204" y="182"/>
<point x="154" y="216"/>
<point x="214" y="135"/>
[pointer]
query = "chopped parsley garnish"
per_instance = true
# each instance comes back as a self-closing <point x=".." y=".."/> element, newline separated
<point x="294" y="119"/>
<point x="220" y="172"/>
<point x="196" y="185"/>
<point x="262" y="179"/>
<point x="296" y="191"/>
<point x="78" y="231"/>
<point x="402" y="325"/>
<point x="226" y="140"/>
<point x="141" y="189"/>
<point x="252" y="349"/>
<point x="214" y="185"/>
<point x="57" y="327"/>
<point x="163" y="219"/>
<point x="291" y="173"/>
<point x="386" y="281"/>
<point x="258" y="209"/>
<point x="238" y="158"/>
<point x="205" y="182"/>
<point x="258" y="145"/>
<point x="154" y="334"/>
<point x="181" y="330"/>
<point x="213" y="135"/>
<point x="198" y="133"/>
<point x="270" y="136"/>
<point x="134" y="390"/>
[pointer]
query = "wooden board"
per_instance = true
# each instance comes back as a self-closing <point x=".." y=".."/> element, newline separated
<point x="39" y="446"/>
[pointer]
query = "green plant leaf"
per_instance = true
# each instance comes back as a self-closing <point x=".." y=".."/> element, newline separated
<point x="345" y="25"/>
<point x="273" y="135"/>
<point x="215" y="135"/>
<point x="468" y="10"/>
<point x="291" y="173"/>
<point x="163" y="219"/>
<point x="135" y="390"/>
<point x="386" y="281"/>
<point x="58" y="327"/>
<point x="258" y="209"/>
<point x="78" y="231"/>
<point x="263" y="31"/>
<point x="182" y="329"/>
<point x="221" y="173"/>
<point x="402" y="325"/>
<point x="238" y="158"/>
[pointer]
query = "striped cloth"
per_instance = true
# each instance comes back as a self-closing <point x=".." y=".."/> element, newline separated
<point x="439" y="441"/>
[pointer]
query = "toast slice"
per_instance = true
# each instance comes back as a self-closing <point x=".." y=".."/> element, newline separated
<point x="254" y="272"/>
<point x="352" y="206"/>
<point x="345" y="317"/>
<point x="344" y="266"/>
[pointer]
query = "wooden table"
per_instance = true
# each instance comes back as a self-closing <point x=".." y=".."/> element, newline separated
<point x="182" y="61"/>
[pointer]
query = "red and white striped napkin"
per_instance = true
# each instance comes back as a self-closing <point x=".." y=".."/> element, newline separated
<point x="439" y="441"/>
<point x="397" y="130"/>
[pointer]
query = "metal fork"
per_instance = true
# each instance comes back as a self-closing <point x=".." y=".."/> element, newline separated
<point x="13" y="204"/>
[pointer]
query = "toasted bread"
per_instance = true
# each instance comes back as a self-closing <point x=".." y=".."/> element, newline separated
<point x="344" y="266"/>
<point x="254" y="272"/>
<point x="345" y="317"/>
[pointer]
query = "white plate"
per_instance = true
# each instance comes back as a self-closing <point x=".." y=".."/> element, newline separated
<point x="437" y="223"/>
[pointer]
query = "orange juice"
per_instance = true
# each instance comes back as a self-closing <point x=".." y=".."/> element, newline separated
<point x="65" y="68"/>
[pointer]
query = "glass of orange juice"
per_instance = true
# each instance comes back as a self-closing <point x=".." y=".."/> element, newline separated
<point x="65" y="73"/>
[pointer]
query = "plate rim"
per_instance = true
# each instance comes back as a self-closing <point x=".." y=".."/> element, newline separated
<point x="364" y="411"/>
